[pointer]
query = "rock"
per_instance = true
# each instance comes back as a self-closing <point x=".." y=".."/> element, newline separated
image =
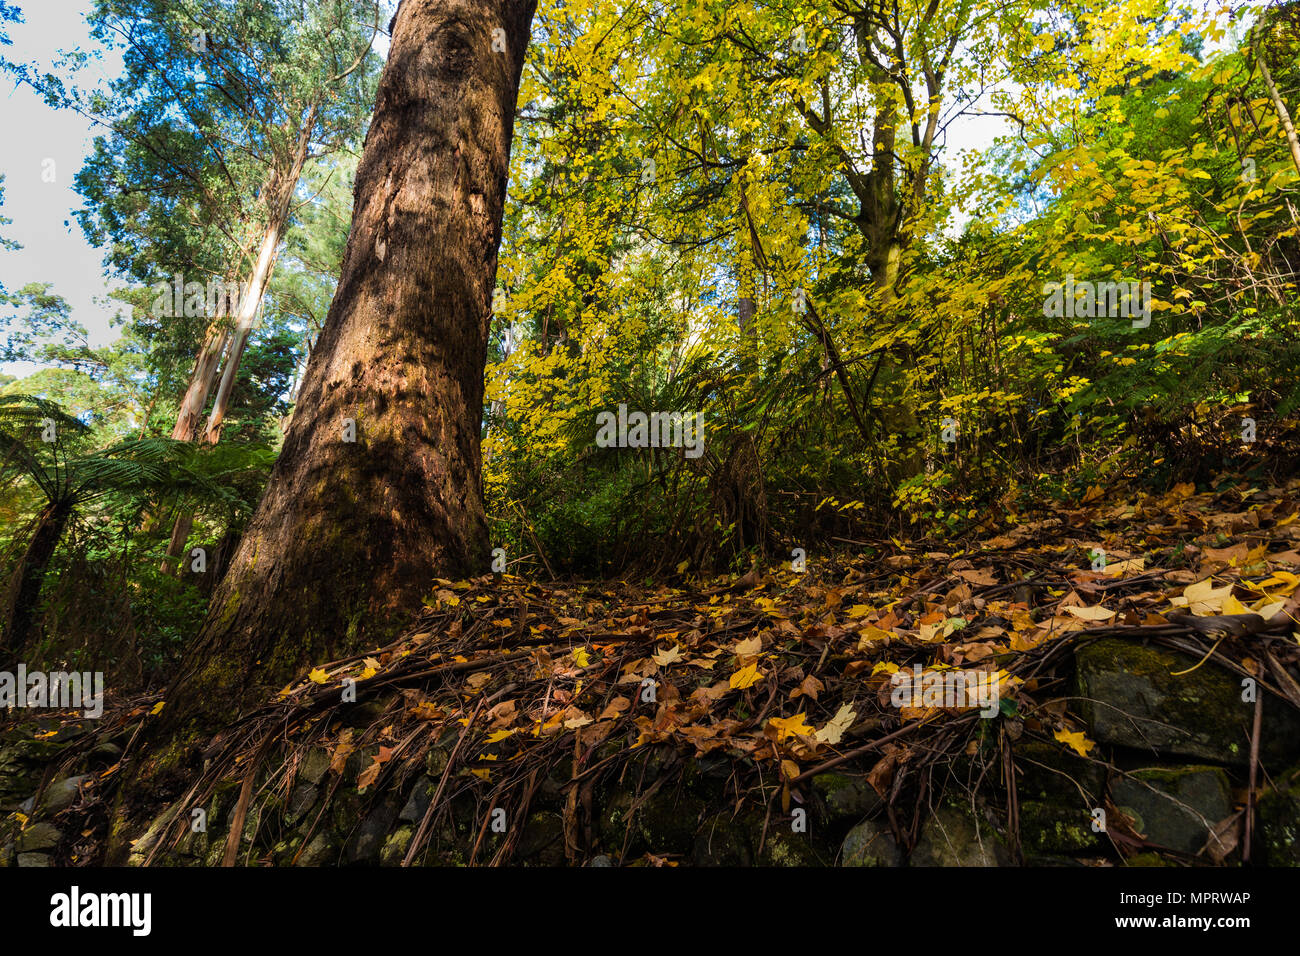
<point x="952" y="837"/>
<point x="106" y="752"/>
<point x="39" y="836"/>
<point x="870" y="844"/>
<point x="1279" y="820"/>
<point x="319" y="852"/>
<point x="542" y="842"/>
<point x="1056" y="828"/>
<point x="846" y="797"/>
<point x="725" y="840"/>
<point x="22" y="764"/>
<point x="1174" y="807"/>
<point x="395" y="847"/>
<point x="784" y="847"/>
<point x="315" y="765"/>
<point x="61" y="794"/>
<point x="1054" y="773"/>
<point x="34" y="859"/>
<point x="1131" y="697"/>
<point x="368" y="841"/>
<point x="301" y="800"/>
<point x="668" y="821"/>
<point x="601" y="860"/>
<point x="418" y="804"/>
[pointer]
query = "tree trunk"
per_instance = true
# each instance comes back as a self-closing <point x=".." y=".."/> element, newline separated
<point x="350" y="534"/>
<point x="1283" y="114"/>
<point x="24" y="590"/>
<point x="280" y="195"/>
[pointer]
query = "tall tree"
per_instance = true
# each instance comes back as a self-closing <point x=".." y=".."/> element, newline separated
<point x="378" y="487"/>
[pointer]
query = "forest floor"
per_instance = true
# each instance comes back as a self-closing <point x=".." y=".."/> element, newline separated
<point x="791" y="673"/>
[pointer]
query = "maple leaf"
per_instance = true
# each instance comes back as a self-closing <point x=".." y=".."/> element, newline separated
<point x="157" y="708"/>
<point x="745" y="677"/>
<point x="787" y="727"/>
<point x="1077" y="741"/>
<point x="749" y="647"/>
<point x="837" y="726"/>
<point x="670" y="656"/>
<point x="317" y="676"/>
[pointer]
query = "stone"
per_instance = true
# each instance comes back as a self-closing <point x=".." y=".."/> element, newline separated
<point x="34" y="859"/>
<point x="1057" y="828"/>
<point x="542" y="842"/>
<point x="1174" y="807"/>
<point x="951" y="836"/>
<point x="1130" y="696"/>
<point x="601" y="860"/>
<point x="418" y="804"/>
<point x="61" y="794"/>
<point x="870" y="844"/>
<point x="1278" y="813"/>
<point x="39" y="836"/>
<point x="368" y="841"/>
<point x="319" y="852"/>
<point x="395" y="847"/>
<point x="724" y="840"/>
<point x="846" y="797"/>
<point x="314" y="765"/>
<point x="1054" y="773"/>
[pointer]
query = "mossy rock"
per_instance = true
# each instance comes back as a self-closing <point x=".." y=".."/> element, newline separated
<point x="1054" y="773"/>
<point x="668" y="820"/>
<point x="784" y="847"/>
<point x="1279" y="820"/>
<point x="1056" y="828"/>
<point x="1147" y="859"/>
<point x="952" y="836"/>
<point x="846" y="797"/>
<point x="870" y="844"/>
<point x="1131" y="696"/>
<point x="1174" y="807"/>
<point x="726" y="840"/>
<point x="542" y="842"/>
<point x="396" y="845"/>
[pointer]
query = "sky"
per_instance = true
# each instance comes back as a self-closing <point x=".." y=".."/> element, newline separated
<point x="54" y="249"/>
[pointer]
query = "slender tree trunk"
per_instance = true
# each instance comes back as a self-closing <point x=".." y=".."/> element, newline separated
<point x="281" y="190"/>
<point x="350" y="533"/>
<point x="1283" y="114"/>
<point x="24" y="590"/>
<point x="201" y="382"/>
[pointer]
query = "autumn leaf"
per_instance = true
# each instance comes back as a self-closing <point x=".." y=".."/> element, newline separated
<point x="745" y="677"/>
<point x="1077" y="741"/>
<point x="317" y="676"/>
<point x="838" y="726"/>
<point x="670" y="656"/>
<point x="783" y="727"/>
<point x="1097" y="613"/>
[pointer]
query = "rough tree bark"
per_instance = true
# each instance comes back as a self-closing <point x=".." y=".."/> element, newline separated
<point x="350" y="534"/>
